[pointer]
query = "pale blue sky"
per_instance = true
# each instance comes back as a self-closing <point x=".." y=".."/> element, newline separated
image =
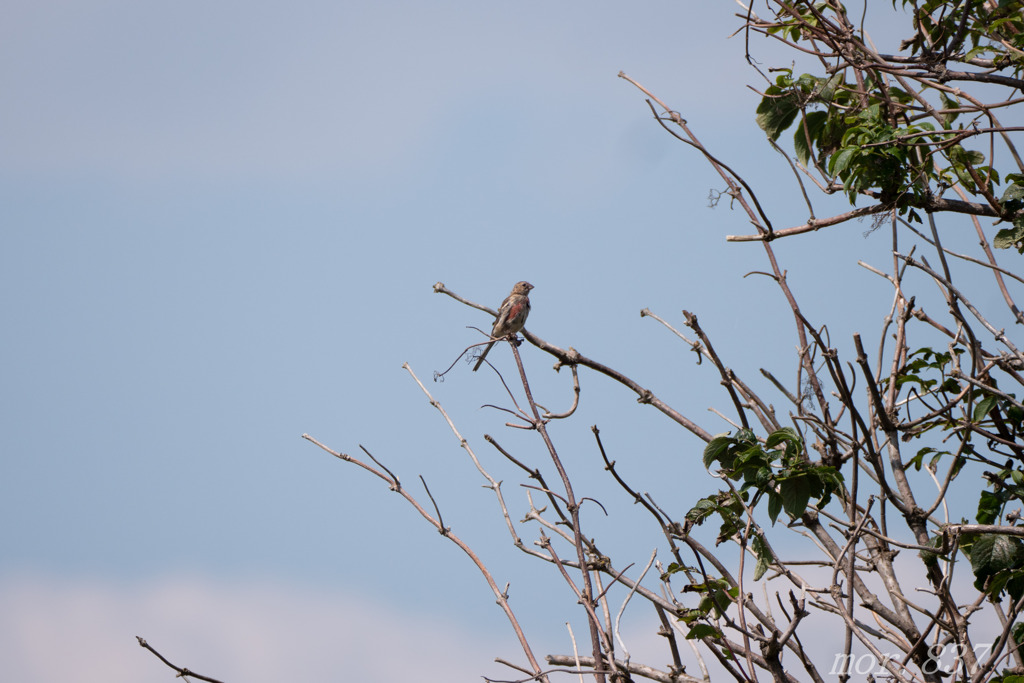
<point x="221" y="223"/>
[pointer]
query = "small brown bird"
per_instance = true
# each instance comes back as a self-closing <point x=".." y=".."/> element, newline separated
<point x="511" y="316"/>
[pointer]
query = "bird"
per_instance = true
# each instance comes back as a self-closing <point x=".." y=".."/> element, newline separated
<point x="511" y="316"/>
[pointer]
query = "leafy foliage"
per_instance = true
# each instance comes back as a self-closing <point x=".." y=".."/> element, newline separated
<point x="998" y="564"/>
<point x="873" y="137"/>
<point x="777" y="469"/>
<point x="1013" y="203"/>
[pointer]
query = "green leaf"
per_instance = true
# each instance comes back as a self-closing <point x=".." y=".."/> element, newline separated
<point x="746" y="436"/>
<point x="1018" y="631"/>
<point x="776" y="113"/>
<point x="842" y="160"/>
<point x="764" y="557"/>
<point x="959" y="155"/>
<point x="703" y="631"/>
<point x="1009" y="237"/>
<point x="949" y="103"/>
<point x="690" y="615"/>
<point x="796" y="493"/>
<point x="989" y="505"/>
<point x="774" y="506"/>
<point x="807" y="133"/>
<point x="801" y="144"/>
<point x="918" y="460"/>
<point x="715" y="448"/>
<point x="784" y="435"/>
<point x="950" y="386"/>
<point x="704" y="508"/>
<point x="1014" y="192"/>
<point x="828" y="88"/>
<point x="751" y="456"/>
<point x="982" y="409"/>
<point x="1015" y="585"/>
<point x="991" y="553"/>
<point x="975" y="52"/>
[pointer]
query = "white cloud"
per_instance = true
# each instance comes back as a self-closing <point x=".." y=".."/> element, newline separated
<point x="62" y="629"/>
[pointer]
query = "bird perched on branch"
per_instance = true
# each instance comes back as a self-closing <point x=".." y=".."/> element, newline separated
<point x="511" y="316"/>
